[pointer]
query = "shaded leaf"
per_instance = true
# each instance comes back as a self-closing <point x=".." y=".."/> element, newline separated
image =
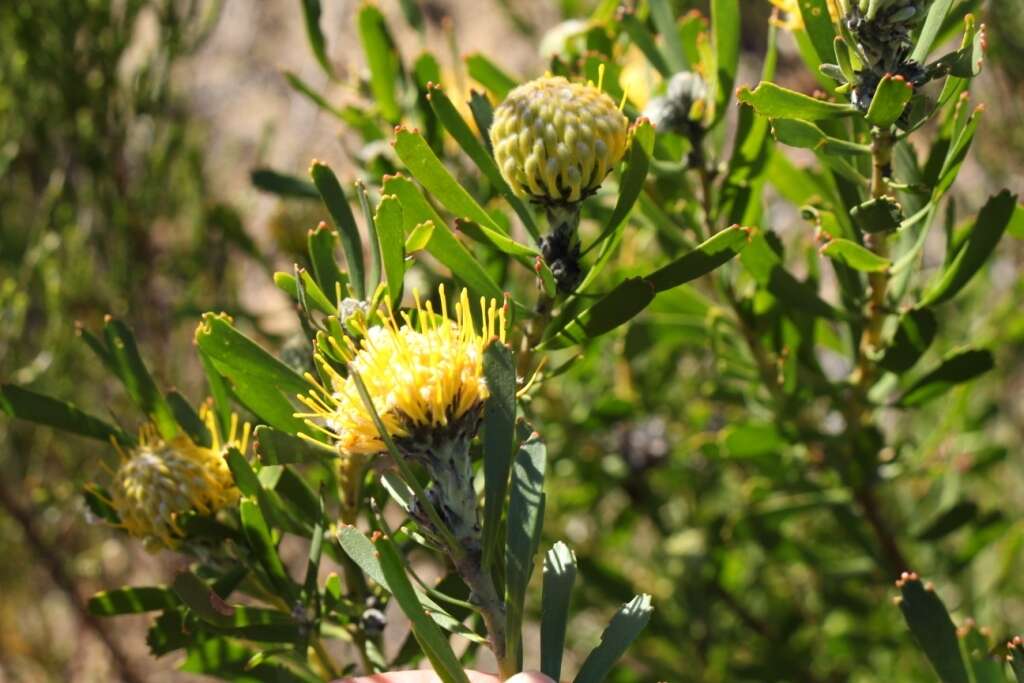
<point x="956" y="369"/>
<point x="932" y="628"/>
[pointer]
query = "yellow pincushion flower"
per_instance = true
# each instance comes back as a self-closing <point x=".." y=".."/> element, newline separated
<point x="555" y="141"/>
<point x="158" y="481"/>
<point x="425" y="378"/>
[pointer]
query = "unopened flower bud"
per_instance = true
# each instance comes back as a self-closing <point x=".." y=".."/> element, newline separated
<point x="680" y="108"/>
<point x="555" y="141"/>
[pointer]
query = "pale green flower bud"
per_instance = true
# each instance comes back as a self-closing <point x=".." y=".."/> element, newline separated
<point x="158" y="481"/>
<point x="555" y="141"/>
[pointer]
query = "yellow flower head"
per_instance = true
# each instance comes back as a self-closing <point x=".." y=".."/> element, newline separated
<point x="158" y="480"/>
<point x="555" y="141"/>
<point x="425" y="378"/>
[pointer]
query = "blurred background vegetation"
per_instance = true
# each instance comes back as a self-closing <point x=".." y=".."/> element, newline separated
<point x="128" y="134"/>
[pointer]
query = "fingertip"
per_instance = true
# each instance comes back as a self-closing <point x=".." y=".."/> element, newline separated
<point x="530" y="677"/>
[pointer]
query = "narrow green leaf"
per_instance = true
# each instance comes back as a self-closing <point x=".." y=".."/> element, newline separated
<point x="306" y="90"/>
<point x="621" y="304"/>
<point x="625" y="626"/>
<point x="932" y="25"/>
<point x="498" y="440"/>
<point x="136" y="378"/>
<point x="806" y="135"/>
<point x="257" y="533"/>
<point x="360" y="550"/>
<point x="960" y="367"/>
<point x="483" y="115"/>
<point x="97" y="499"/>
<point x="264" y="384"/>
<point x="932" y="628"/>
<point x="981" y="241"/>
<point x="776" y="102"/>
<point x="432" y="641"/>
<point x="282" y="184"/>
<point x="337" y="205"/>
<point x="201" y="599"/>
<point x="471" y="145"/>
<point x="632" y="182"/>
<point x="725" y="29"/>
<point x="665" y="21"/>
<point x="275" y="447"/>
<point x="958" y="152"/>
<point x="132" y="600"/>
<point x="855" y="256"/>
<point x="1016" y="658"/>
<point x="374" y="273"/>
<point x="311" y="14"/>
<point x="641" y="37"/>
<point x="28" y="405"/>
<point x="489" y="75"/>
<point x="916" y="331"/>
<point x="985" y="666"/>
<point x="441" y="242"/>
<point x="382" y="59"/>
<point x="818" y="23"/>
<point x="525" y="519"/>
<point x="705" y="258"/>
<point x="948" y="521"/>
<point x="323" y="243"/>
<point x="890" y="100"/>
<point x="188" y="419"/>
<point x="388" y="223"/>
<point x="559" y="577"/>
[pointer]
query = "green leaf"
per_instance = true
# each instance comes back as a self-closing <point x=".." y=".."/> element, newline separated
<point x="483" y="114"/>
<point x="432" y="641"/>
<point x="559" y="577"/>
<point x="949" y="521"/>
<point x="28" y="405"/>
<point x="709" y="255"/>
<point x="390" y="233"/>
<point x="932" y="25"/>
<point x="1016" y="659"/>
<point x="360" y="550"/>
<point x="890" y="100"/>
<point x="282" y="184"/>
<point x="257" y="533"/>
<point x="640" y="36"/>
<point x="489" y="75"/>
<point x="311" y="14"/>
<point x="189" y="420"/>
<point x="818" y="23"/>
<point x="986" y="667"/>
<point x="981" y="241"/>
<point x="632" y="183"/>
<point x="441" y="242"/>
<point x="499" y="432"/>
<point x="855" y="256"/>
<point x="958" y="152"/>
<point x="97" y="499"/>
<point x="263" y="383"/>
<point x="618" y="306"/>
<point x="227" y="659"/>
<point x="776" y="102"/>
<point x="382" y="59"/>
<point x="725" y="29"/>
<point x="202" y="599"/>
<point x="337" y="205"/>
<point x="525" y="519"/>
<point x="424" y="165"/>
<point x="665" y="21"/>
<point x="132" y="600"/>
<point x="806" y="135"/>
<point x="374" y="273"/>
<point x="957" y="368"/>
<point x="306" y="90"/>
<point x="275" y="447"/>
<point x="916" y="331"/>
<point x="471" y="145"/>
<point x="625" y="626"/>
<point x="136" y="378"/>
<point x="932" y="628"/>
<point x="322" y="245"/>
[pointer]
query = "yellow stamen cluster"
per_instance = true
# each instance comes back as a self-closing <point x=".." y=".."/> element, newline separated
<point x="420" y="375"/>
<point x="555" y="141"/>
<point x="158" y="481"/>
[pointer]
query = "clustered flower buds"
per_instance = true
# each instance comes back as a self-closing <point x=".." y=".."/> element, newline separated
<point x="158" y="481"/>
<point x="555" y="141"/>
